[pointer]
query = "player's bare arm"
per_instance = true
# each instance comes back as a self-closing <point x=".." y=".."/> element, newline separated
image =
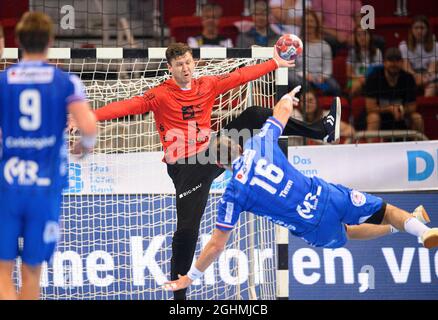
<point x="211" y="252"/>
<point x="283" y="109"/>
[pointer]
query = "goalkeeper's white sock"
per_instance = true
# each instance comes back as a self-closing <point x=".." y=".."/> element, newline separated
<point x="415" y="227"/>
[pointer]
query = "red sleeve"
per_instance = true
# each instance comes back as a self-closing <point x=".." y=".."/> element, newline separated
<point x="135" y="105"/>
<point x="236" y="78"/>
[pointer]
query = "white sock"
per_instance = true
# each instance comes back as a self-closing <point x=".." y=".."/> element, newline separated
<point x="415" y="227"/>
<point x="393" y="229"/>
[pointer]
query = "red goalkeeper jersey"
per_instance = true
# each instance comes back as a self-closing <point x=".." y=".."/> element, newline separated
<point x="183" y="117"/>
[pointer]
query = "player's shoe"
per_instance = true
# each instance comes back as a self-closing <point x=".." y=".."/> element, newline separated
<point x="332" y="122"/>
<point x="430" y="238"/>
<point x="421" y="214"/>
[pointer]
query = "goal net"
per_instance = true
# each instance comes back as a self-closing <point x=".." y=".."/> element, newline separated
<point x="119" y="212"/>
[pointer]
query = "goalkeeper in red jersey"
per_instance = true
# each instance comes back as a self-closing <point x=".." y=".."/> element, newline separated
<point x="182" y="108"/>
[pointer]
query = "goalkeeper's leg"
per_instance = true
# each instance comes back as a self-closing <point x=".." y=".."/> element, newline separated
<point x="254" y="117"/>
<point x="192" y="184"/>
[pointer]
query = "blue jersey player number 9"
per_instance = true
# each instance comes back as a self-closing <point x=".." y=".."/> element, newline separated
<point x="30" y="107"/>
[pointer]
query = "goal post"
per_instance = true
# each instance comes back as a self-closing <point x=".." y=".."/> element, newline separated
<point x="119" y="212"/>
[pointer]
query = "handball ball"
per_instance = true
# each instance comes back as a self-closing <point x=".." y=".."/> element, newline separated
<point x="289" y="47"/>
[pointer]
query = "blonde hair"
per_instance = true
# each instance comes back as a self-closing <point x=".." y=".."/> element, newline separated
<point x="34" y="31"/>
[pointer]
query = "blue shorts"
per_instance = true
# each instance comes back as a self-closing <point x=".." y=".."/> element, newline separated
<point x="33" y="216"/>
<point x="344" y="206"/>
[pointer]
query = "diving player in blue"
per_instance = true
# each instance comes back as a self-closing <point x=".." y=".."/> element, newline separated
<point x="266" y="184"/>
<point x="35" y="98"/>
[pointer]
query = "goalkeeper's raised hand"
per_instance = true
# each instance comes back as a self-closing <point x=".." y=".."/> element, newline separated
<point x="283" y="63"/>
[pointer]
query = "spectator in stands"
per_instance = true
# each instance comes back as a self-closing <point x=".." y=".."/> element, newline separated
<point x="319" y="67"/>
<point x="287" y="15"/>
<point x="391" y="96"/>
<point x="2" y="41"/>
<point x="314" y="112"/>
<point x="261" y="33"/>
<point x="338" y="19"/>
<point x="210" y="37"/>
<point x="362" y="59"/>
<point x="420" y="55"/>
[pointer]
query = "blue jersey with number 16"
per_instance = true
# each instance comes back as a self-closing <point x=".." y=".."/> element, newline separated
<point x="266" y="184"/>
<point x="34" y="97"/>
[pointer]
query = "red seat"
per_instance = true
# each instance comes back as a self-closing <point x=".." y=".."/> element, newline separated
<point x="393" y="29"/>
<point x="183" y="27"/>
<point x="428" y="108"/>
<point x="340" y="70"/>
<point x="10" y="14"/>
<point x="357" y="107"/>
<point x="235" y="9"/>
<point x="177" y="8"/>
<point x="227" y="26"/>
<point x="434" y="25"/>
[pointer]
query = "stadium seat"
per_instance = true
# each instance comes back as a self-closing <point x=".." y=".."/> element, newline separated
<point x="236" y="9"/>
<point x="428" y="108"/>
<point x="177" y="8"/>
<point x="183" y="27"/>
<point x="393" y="29"/>
<point x="434" y="25"/>
<point x="227" y="26"/>
<point x="414" y="7"/>
<point x="340" y="70"/>
<point x="10" y="14"/>
<point x="357" y="108"/>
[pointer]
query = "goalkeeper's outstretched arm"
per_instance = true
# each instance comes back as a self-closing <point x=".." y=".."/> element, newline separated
<point x="211" y="252"/>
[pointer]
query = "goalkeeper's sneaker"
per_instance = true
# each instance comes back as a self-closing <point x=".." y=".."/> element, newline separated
<point x="332" y="122"/>
<point x="430" y="238"/>
<point x="421" y="214"/>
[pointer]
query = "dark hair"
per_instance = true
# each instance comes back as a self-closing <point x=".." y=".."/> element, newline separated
<point x="392" y="54"/>
<point x="213" y="7"/>
<point x="175" y="50"/>
<point x="428" y="39"/>
<point x="318" y="114"/>
<point x="371" y="47"/>
<point x="310" y="12"/>
<point x="34" y="31"/>
<point x="226" y="150"/>
<point x="2" y="35"/>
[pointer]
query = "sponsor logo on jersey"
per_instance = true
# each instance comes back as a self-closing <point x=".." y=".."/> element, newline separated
<point x="28" y="143"/>
<point x="309" y="204"/>
<point x="242" y="173"/>
<point x="22" y="75"/>
<point x="358" y="199"/>
<point x="23" y="173"/>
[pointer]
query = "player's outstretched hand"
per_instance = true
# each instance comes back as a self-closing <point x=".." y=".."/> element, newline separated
<point x="283" y="63"/>
<point x="292" y="94"/>
<point x="182" y="283"/>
